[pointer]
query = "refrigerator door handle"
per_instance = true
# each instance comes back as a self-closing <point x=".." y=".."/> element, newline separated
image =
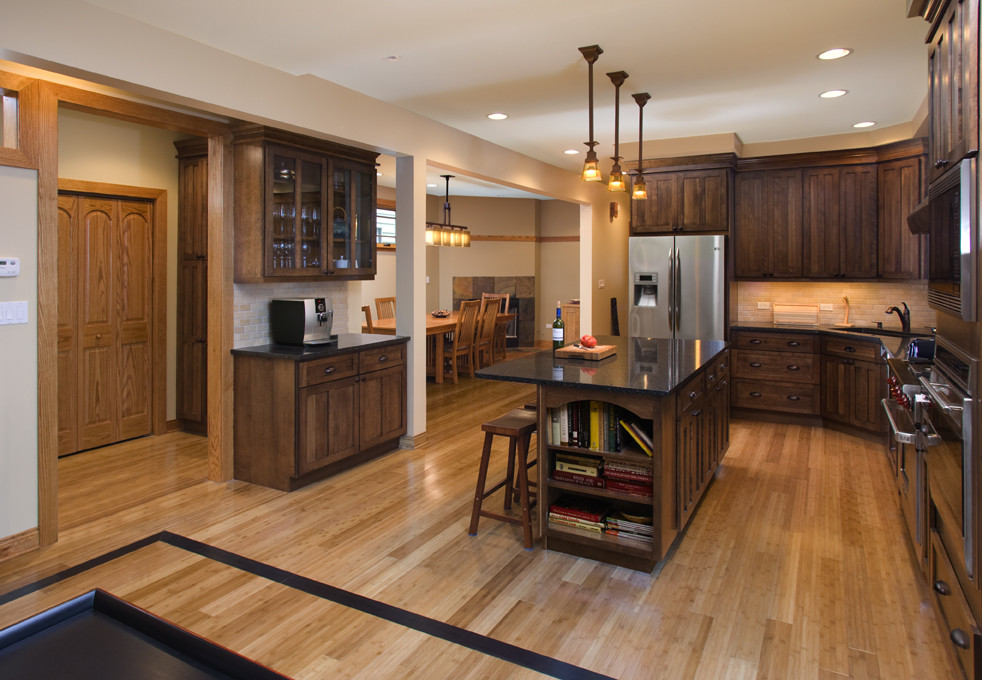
<point x="671" y="289"/>
<point x="677" y="291"/>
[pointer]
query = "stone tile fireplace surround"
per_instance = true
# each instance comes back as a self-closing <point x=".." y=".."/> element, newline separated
<point x="521" y="303"/>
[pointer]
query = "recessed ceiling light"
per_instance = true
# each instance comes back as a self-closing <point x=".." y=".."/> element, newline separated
<point x="392" y="57"/>
<point x="836" y="53"/>
<point x="571" y="152"/>
<point x="497" y="116"/>
<point x="865" y="124"/>
<point x="832" y="94"/>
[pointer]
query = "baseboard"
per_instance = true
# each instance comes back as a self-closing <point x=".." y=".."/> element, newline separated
<point x="18" y="544"/>
<point x="173" y="426"/>
<point x="413" y="441"/>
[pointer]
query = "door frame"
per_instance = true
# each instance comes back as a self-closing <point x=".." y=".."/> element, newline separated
<point x="158" y="285"/>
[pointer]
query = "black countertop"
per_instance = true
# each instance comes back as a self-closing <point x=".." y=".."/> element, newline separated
<point x="894" y="343"/>
<point x="640" y="365"/>
<point x="346" y="344"/>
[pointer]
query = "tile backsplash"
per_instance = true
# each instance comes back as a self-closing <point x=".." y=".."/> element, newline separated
<point x="867" y="301"/>
<point x="251" y="316"/>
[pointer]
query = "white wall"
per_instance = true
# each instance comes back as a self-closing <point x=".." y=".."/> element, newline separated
<point x="18" y="356"/>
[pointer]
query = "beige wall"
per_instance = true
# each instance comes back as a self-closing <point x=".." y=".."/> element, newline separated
<point x="100" y="149"/>
<point x="558" y="276"/>
<point x="18" y="357"/>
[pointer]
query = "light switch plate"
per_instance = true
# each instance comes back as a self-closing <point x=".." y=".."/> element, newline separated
<point x="826" y="307"/>
<point x="763" y="305"/>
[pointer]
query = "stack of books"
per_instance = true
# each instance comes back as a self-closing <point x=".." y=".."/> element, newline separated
<point x="631" y="478"/>
<point x="580" y="513"/>
<point x="586" y="425"/>
<point x="579" y="469"/>
<point x="623" y="525"/>
<point x="638" y="435"/>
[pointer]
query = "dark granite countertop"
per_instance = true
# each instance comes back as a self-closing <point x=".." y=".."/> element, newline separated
<point x="893" y="342"/>
<point x="346" y="344"/>
<point x="647" y="365"/>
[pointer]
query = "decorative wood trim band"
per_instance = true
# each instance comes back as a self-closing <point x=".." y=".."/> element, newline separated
<point x="79" y="186"/>
<point x="16" y="158"/>
<point x="18" y="544"/>
<point x="525" y="239"/>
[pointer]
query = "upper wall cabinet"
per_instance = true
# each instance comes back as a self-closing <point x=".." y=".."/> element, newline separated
<point x="689" y="196"/>
<point x="901" y="184"/>
<point x="304" y="208"/>
<point x="953" y="59"/>
<point x="839" y="222"/>
<point x="767" y="233"/>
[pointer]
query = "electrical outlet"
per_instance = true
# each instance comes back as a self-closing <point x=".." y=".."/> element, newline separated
<point x="763" y="305"/>
<point x="826" y="307"/>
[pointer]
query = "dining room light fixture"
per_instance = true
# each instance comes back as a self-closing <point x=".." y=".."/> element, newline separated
<point x="640" y="190"/>
<point x="616" y="180"/>
<point x="591" y="164"/>
<point x="445" y="233"/>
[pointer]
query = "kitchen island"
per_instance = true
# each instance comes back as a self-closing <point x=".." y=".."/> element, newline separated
<point x="669" y="396"/>
<point x="303" y="413"/>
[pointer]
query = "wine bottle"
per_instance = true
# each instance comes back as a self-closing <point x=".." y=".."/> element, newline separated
<point x="558" y="329"/>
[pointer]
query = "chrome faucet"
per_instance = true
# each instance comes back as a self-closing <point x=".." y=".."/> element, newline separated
<point x="904" y="315"/>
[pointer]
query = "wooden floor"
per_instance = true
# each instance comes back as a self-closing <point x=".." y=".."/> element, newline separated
<point x="795" y="565"/>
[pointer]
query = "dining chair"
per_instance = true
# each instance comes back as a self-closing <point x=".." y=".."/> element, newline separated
<point x="484" y="338"/>
<point x="385" y="307"/>
<point x="368" y="318"/>
<point x="498" y="344"/>
<point x="459" y="352"/>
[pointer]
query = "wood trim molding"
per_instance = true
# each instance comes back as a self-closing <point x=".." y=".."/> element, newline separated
<point x="407" y="441"/>
<point x="16" y="158"/>
<point x="158" y="339"/>
<point x="18" y="544"/>
<point x="525" y="239"/>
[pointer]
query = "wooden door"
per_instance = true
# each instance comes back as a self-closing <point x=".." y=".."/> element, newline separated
<point x="105" y="254"/>
<point x="658" y="213"/>
<point x="704" y="205"/>
<point x="821" y="225"/>
<point x="382" y="406"/>
<point x="327" y="423"/>
<point x="858" y="221"/>
<point x="900" y="253"/>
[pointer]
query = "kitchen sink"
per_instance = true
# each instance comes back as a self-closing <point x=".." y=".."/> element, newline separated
<point x="871" y="330"/>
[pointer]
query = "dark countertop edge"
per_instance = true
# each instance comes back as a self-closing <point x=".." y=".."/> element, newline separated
<point x="581" y="386"/>
<point x="919" y="332"/>
<point x="348" y="343"/>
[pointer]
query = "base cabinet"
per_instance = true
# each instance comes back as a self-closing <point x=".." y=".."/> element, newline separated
<point x="957" y="622"/>
<point x="853" y="383"/>
<point x="299" y="421"/>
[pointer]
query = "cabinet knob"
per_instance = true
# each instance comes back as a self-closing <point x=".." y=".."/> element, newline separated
<point x="960" y="638"/>
<point x="754" y="364"/>
<point x="695" y="414"/>
<point x="793" y="367"/>
<point x="693" y="394"/>
<point x="942" y="588"/>
<point x="849" y="348"/>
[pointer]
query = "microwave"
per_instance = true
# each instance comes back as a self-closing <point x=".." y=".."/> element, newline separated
<point x="953" y="242"/>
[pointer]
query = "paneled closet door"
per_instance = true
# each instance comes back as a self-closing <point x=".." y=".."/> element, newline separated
<point x="104" y="321"/>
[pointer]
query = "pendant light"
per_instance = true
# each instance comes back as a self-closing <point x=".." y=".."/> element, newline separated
<point x="591" y="165"/>
<point x="616" y="180"/>
<point x="447" y="234"/>
<point x="640" y="190"/>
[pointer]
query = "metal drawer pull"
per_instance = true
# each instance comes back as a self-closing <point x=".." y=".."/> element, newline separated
<point x="755" y="394"/>
<point x="693" y="395"/>
<point x="849" y="348"/>
<point x="695" y="414"/>
<point x="754" y="364"/>
<point x="384" y="357"/>
<point x="794" y="367"/>
<point x="793" y="397"/>
<point x="329" y="369"/>
<point x="961" y="639"/>
<point x="794" y="343"/>
<point x="942" y="588"/>
<point x="756" y="341"/>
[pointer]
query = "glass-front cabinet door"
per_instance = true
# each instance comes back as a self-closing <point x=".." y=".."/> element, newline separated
<point x="353" y="215"/>
<point x="295" y="203"/>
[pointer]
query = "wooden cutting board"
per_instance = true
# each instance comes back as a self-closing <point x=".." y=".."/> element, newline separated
<point x="598" y="352"/>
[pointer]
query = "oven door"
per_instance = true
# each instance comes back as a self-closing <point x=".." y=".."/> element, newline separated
<point x="946" y="437"/>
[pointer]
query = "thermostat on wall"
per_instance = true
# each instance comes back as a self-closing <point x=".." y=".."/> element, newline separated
<point x="9" y="266"/>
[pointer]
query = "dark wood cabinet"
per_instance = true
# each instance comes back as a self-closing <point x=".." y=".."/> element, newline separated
<point x="299" y="421"/>
<point x="305" y="208"/>
<point x="839" y="225"/>
<point x="900" y="187"/>
<point x="695" y="201"/>
<point x="768" y="226"/>
<point x="953" y="59"/>
<point x="853" y="384"/>
<point x="192" y="285"/>
<point x="775" y="372"/>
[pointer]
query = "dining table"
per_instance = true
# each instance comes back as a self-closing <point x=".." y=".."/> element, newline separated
<point x="437" y="326"/>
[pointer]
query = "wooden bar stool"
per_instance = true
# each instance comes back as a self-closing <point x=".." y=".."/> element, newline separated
<point x="518" y="425"/>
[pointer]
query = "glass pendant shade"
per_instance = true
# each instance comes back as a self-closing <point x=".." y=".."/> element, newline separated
<point x="446" y="236"/>
<point x="640" y="190"/>
<point x="616" y="180"/>
<point x="465" y="237"/>
<point x="429" y="236"/>
<point x="591" y="167"/>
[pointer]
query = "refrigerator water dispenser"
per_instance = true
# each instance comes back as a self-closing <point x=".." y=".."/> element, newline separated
<point x="645" y="290"/>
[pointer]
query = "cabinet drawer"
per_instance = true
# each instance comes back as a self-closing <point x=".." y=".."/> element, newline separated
<point x="957" y="619"/>
<point x="383" y="357"/>
<point x="691" y="392"/>
<point x="720" y="370"/>
<point x="851" y="349"/>
<point x="776" y="396"/>
<point x="794" y="342"/>
<point x="781" y="366"/>
<point x="332" y="368"/>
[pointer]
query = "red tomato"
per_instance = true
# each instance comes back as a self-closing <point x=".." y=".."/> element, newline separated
<point x="588" y="341"/>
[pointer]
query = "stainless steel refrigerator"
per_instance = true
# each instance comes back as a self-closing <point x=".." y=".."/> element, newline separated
<point x="677" y="287"/>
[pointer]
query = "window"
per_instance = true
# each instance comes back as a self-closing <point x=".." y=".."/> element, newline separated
<point x="385" y="226"/>
<point x="8" y="119"/>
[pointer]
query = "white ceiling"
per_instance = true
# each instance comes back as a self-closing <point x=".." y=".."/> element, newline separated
<point x="711" y="66"/>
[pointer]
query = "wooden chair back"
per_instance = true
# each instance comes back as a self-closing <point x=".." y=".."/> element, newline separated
<point x="485" y="333"/>
<point x="368" y="318"/>
<point x="461" y="349"/>
<point x="498" y="341"/>
<point x="504" y="297"/>
<point x="385" y="307"/>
